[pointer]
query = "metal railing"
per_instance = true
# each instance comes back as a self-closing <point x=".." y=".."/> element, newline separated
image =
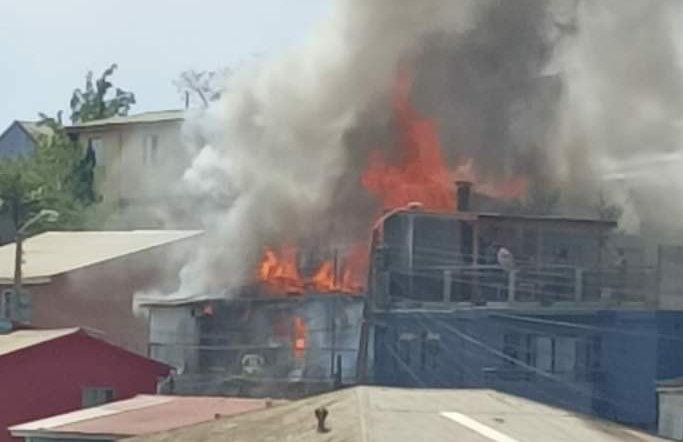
<point x="548" y="284"/>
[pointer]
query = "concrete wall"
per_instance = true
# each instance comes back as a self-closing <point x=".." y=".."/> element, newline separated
<point x="670" y="422"/>
<point x="131" y="179"/>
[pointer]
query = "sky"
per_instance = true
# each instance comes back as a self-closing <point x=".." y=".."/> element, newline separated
<point x="47" y="46"/>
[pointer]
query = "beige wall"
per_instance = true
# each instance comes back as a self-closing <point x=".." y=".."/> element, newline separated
<point x="128" y="176"/>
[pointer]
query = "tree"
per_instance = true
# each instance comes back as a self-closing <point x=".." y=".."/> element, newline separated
<point x="59" y="174"/>
<point x="93" y="104"/>
<point x="202" y="86"/>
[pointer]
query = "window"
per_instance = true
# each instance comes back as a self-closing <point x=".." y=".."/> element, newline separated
<point x="405" y="344"/>
<point x="430" y="350"/>
<point x="565" y="355"/>
<point x="544" y="353"/>
<point x="94" y="396"/>
<point x="150" y="149"/>
<point x="97" y="146"/>
<point x="556" y="354"/>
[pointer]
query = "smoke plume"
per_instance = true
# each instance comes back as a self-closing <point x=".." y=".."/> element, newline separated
<point x="577" y="96"/>
<point x="276" y="140"/>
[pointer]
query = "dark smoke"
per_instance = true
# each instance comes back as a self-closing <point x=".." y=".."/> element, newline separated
<point x="574" y="95"/>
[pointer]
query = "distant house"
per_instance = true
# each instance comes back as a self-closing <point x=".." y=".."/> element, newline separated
<point x="138" y="416"/>
<point x="408" y="415"/>
<point x="139" y="160"/>
<point x="21" y="139"/>
<point x="47" y="372"/>
<point x="88" y="279"/>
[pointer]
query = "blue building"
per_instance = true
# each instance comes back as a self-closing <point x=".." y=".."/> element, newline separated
<point x="21" y="139"/>
<point x="569" y="323"/>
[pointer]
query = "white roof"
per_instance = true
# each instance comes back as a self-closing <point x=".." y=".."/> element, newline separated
<point x="145" y="117"/>
<point x="20" y="339"/>
<point x="54" y="253"/>
<point x="402" y="415"/>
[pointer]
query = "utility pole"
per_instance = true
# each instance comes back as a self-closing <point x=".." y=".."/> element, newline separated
<point x="50" y="216"/>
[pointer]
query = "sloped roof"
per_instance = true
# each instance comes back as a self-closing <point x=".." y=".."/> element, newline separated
<point x="34" y="129"/>
<point x="21" y="339"/>
<point x="403" y="415"/>
<point x="143" y="414"/>
<point x="54" y="253"/>
<point x="141" y="118"/>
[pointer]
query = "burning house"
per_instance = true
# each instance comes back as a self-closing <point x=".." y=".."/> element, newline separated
<point x="431" y="144"/>
<point x="543" y="307"/>
<point x="284" y="336"/>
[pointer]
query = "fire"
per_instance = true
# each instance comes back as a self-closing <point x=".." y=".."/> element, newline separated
<point x="279" y="273"/>
<point x="353" y="274"/>
<point x="421" y="174"/>
<point x="299" y="332"/>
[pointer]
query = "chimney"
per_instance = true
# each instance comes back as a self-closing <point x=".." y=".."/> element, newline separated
<point x="463" y="194"/>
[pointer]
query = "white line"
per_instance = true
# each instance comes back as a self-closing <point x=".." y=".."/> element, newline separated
<point x="478" y="427"/>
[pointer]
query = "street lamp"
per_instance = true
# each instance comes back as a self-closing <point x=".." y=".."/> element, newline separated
<point x="49" y="216"/>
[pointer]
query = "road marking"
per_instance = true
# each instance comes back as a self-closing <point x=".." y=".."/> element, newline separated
<point x="478" y="427"/>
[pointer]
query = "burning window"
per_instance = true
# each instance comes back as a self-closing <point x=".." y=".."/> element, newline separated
<point x="299" y="337"/>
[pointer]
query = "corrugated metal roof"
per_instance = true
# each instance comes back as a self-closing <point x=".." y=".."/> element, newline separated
<point x="20" y="339"/>
<point x="402" y="415"/>
<point x="141" y="118"/>
<point x="141" y="415"/>
<point x="53" y="253"/>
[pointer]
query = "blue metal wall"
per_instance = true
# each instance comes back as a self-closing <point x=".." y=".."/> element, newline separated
<point x="600" y="362"/>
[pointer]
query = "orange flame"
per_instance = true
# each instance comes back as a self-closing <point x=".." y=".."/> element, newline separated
<point x="299" y="337"/>
<point x="353" y="274"/>
<point x="422" y="174"/>
<point x="280" y="273"/>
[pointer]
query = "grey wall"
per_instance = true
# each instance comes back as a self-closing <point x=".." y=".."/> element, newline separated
<point x="15" y="142"/>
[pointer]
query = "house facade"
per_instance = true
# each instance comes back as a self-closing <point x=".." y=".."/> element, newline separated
<point x="20" y="139"/>
<point x="47" y="372"/>
<point x="565" y="322"/>
<point x="89" y="279"/>
<point x="139" y="161"/>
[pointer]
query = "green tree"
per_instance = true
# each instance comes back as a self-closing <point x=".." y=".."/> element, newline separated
<point x="59" y="174"/>
<point x="93" y="104"/>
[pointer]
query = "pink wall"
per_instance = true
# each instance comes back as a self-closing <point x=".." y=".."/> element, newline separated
<point x="47" y="379"/>
<point x="100" y="297"/>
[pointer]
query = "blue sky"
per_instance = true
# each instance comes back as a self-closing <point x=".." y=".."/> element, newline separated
<point x="47" y="46"/>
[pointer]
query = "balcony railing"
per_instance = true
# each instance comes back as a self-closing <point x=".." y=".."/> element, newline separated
<point x="544" y="285"/>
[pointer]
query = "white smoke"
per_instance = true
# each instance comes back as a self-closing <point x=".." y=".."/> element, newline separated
<point x="276" y="138"/>
<point x="582" y="96"/>
<point x="621" y="116"/>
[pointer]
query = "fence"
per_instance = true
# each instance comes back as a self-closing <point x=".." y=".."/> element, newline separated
<point x="525" y="284"/>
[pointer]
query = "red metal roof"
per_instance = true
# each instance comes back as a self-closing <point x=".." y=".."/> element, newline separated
<point x="143" y="414"/>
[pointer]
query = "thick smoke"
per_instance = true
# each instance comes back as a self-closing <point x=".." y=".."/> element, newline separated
<point x="620" y="123"/>
<point x="277" y="150"/>
<point x="582" y="97"/>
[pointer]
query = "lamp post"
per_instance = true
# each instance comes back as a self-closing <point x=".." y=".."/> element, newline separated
<point x="50" y="216"/>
